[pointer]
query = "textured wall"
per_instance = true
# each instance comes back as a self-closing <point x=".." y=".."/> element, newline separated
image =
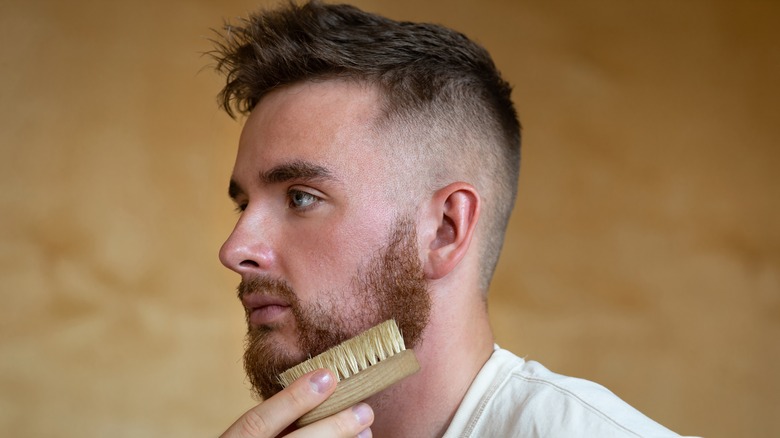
<point x="644" y="253"/>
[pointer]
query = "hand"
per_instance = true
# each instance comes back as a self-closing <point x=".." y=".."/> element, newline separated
<point x="275" y="415"/>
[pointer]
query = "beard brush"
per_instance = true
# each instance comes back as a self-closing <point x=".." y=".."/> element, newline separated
<point x="364" y="365"/>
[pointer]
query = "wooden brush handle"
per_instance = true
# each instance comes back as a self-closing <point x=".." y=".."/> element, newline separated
<point x="364" y="384"/>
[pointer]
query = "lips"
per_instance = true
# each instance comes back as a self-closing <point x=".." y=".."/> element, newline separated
<point x="264" y="309"/>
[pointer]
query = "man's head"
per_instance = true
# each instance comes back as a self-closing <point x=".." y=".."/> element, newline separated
<point x="445" y="112"/>
<point x="357" y="125"/>
<point x="323" y="249"/>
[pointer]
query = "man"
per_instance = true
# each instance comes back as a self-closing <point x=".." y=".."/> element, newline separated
<point x="375" y="176"/>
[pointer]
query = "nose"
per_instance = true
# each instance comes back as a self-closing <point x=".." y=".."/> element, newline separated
<point x="246" y="250"/>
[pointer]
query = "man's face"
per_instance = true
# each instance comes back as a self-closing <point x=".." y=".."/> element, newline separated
<point x="322" y="248"/>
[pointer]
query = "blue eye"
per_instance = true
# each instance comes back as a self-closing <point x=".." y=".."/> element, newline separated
<point x="240" y="207"/>
<point x="301" y="200"/>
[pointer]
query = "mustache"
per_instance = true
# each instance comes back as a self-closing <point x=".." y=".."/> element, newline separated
<point x="266" y="286"/>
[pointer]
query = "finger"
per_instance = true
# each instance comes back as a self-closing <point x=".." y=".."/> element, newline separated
<point x="348" y="423"/>
<point x="273" y="415"/>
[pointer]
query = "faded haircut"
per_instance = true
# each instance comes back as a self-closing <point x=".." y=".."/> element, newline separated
<point x="442" y="97"/>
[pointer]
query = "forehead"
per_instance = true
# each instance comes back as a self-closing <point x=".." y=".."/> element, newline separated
<point x="329" y="122"/>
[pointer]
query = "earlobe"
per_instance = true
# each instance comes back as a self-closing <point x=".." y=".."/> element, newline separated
<point x="455" y="209"/>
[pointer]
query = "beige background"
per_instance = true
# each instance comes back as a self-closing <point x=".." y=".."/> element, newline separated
<point x="644" y="253"/>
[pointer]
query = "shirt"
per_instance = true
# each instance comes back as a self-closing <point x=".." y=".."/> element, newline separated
<point x="512" y="397"/>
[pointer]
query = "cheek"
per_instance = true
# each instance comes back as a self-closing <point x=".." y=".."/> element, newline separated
<point x="323" y="251"/>
<point x="324" y="258"/>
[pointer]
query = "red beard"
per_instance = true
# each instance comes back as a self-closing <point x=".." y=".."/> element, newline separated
<point x="391" y="285"/>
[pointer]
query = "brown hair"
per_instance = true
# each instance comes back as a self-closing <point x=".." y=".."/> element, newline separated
<point x="434" y="82"/>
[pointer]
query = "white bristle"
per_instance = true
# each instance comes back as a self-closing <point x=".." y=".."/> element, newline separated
<point x="353" y="355"/>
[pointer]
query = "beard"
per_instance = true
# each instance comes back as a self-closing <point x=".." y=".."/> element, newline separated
<point x="390" y="285"/>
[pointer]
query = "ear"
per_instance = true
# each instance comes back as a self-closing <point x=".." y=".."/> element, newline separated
<point x="453" y="212"/>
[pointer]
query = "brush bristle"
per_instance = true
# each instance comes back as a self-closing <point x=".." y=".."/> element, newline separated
<point x="353" y="355"/>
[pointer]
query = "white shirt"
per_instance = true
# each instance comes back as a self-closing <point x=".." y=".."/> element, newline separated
<point x="511" y="397"/>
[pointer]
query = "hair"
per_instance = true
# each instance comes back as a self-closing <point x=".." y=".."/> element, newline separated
<point x="443" y="102"/>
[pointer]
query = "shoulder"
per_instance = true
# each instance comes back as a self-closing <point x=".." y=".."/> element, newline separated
<point x="512" y="397"/>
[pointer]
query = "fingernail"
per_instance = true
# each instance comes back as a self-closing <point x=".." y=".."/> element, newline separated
<point x="363" y="413"/>
<point x="365" y="434"/>
<point x="321" y="381"/>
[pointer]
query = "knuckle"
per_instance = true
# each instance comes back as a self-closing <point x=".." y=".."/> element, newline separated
<point x="299" y="396"/>
<point x="254" y="425"/>
<point x="345" y="424"/>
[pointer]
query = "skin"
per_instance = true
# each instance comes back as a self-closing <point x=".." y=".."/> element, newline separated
<point x="314" y="233"/>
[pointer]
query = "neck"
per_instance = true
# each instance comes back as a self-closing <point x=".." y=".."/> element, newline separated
<point x="451" y="353"/>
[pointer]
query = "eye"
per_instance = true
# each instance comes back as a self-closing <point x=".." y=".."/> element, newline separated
<point x="240" y="207"/>
<point x="300" y="200"/>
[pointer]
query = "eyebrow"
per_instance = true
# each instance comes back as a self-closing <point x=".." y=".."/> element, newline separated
<point x="297" y="170"/>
